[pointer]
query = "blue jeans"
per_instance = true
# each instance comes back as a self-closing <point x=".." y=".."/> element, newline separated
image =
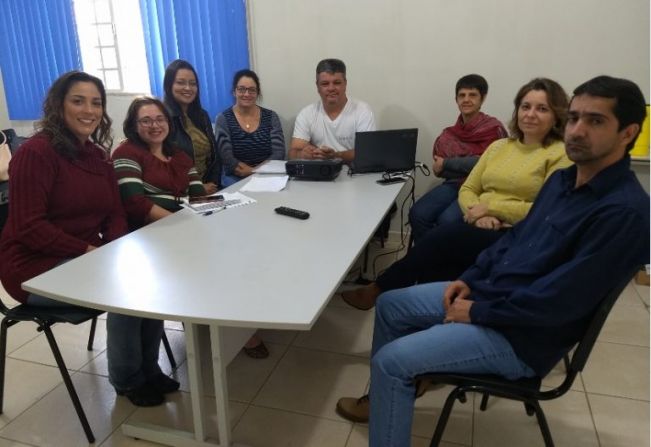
<point x="409" y="339"/>
<point x="132" y="345"/>
<point x="437" y="207"/>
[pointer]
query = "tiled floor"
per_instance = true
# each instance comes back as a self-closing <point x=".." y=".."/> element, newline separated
<point x="289" y="398"/>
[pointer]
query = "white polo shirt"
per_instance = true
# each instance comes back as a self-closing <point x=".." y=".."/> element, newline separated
<point x="314" y="125"/>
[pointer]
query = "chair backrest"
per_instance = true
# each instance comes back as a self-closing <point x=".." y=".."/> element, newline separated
<point x="583" y="349"/>
<point x="14" y="142"/>
<point x="3" y="307"/>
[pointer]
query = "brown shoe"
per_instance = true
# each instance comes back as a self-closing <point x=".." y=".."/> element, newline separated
<point x="259" y="351"/>
<point x="354" y="409"/>
<point x="363" y="298"/>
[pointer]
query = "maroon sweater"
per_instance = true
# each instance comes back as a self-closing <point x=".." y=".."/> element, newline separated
<point x="57" y="208"/>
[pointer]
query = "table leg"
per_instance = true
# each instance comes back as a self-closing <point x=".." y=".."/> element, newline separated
<point x="221" y="385"/>
<point x="179" y="438"/>
<point x="224" y="344"/>
<point x="193" y="348"/>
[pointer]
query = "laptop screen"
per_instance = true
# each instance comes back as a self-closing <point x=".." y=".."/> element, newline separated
<point x="385" y="150"/>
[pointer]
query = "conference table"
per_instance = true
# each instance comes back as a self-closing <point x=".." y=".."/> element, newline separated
<point x="234" y="271"/>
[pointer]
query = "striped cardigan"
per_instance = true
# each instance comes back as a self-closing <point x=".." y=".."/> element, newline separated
<point x="145" y="180"/>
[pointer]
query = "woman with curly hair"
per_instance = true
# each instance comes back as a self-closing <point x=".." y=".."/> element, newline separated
<point x="64" y="198"/>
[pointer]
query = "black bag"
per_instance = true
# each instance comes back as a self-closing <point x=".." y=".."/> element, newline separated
<point x="14" y="142"/>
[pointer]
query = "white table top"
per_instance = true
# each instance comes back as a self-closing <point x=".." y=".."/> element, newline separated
<point x="244" y="267"/>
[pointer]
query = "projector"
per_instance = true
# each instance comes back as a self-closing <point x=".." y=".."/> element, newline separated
<point x="314" y="169"/>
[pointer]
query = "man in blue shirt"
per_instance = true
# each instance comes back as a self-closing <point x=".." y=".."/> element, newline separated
<point x="528" y="298"/>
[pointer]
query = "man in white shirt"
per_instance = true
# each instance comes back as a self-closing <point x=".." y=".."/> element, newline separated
<point x="326" y="129"/>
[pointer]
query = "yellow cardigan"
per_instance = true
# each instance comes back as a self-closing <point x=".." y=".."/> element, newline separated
<point x="509" y="175"/>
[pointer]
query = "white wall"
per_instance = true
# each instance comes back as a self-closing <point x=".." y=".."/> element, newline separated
<point x="404" y="57"/>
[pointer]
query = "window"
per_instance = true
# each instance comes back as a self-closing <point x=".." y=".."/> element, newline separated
<point x="38" y="42"/>
<point x="127" y="43"/>
<point x="112" y="44"/>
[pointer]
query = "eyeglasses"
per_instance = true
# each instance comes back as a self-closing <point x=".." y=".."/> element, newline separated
<point x="182" y="83"/>
<point x="250" y="90"/>
<point x="149" y="122"/>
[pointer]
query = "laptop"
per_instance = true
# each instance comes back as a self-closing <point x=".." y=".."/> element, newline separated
<point x="385" y="151"/>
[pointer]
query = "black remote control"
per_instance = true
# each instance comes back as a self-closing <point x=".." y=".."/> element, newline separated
<point x="291" y="212"/>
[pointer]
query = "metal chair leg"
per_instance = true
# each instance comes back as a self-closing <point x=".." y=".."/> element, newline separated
<point x="484" y="402"/>
<point x="91" y="336"/>
<point x="168" y="350"/>
<point x="68" y="382"/>
<point x="530" y="409"/>
<point x="445" y="415"/>
<point x="542" y="422"/>
<point x="3" y="352"/>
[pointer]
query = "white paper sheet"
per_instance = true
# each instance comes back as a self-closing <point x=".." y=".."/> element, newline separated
<point x="266" y="183"/>
<point x="271" y="167"/>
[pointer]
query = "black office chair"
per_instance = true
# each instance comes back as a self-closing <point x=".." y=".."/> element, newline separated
<point x="525" y="390"/>
<point x="45" y="318"/>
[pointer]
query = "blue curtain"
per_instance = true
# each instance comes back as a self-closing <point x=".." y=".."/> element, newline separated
<point x="210" y="34"/>
<point x="38" y="43"/>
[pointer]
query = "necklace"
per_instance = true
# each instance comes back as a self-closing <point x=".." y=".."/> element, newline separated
<point x="243" y="118"/>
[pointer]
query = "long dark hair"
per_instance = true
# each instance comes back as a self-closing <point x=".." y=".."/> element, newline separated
<point x="195" y="111"/>
<point x="130" y="125"/>
<point x="558" y="102"/>
<point x="53" y="124"/>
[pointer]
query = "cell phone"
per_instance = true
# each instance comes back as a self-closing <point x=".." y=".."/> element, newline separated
<point x="388" y="181"/>
<point x="206" y="199"/>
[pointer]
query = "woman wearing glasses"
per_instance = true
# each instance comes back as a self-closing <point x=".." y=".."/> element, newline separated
<point x="191" y="128"/>
<point x="153" y="173"/>
<point x="152" y="176"/>
<point x="247" y="134"/>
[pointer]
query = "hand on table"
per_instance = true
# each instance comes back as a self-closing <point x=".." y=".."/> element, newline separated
<point x="243" y="170"/>
<point x="325" y="153"/>
<point x="210" y="188"/>
<point x="308" y="152"/>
